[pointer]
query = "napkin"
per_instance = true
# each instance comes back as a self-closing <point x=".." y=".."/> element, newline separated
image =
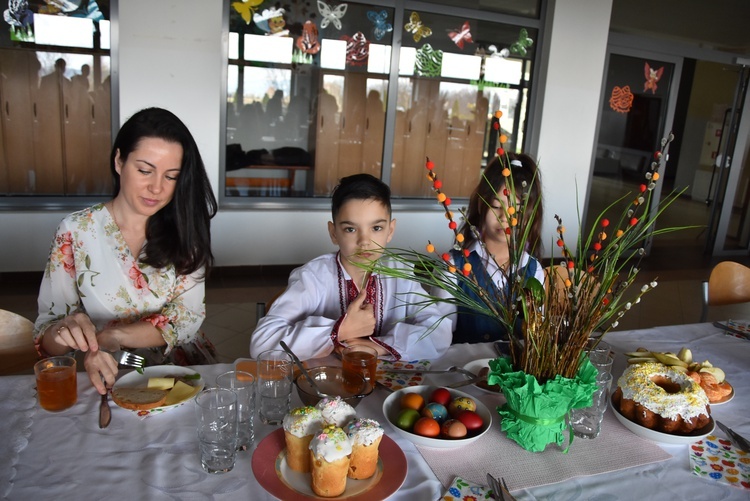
<point x="394" y="381"/>
<point x="461" y="490"/>
<point x="736" y="328"/>
<point x="717" y="459"/>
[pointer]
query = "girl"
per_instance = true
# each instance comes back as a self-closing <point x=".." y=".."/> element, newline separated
<point x="490" y="258"/>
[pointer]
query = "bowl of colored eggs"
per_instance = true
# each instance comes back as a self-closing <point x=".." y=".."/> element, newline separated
<point x="432" y="416"/>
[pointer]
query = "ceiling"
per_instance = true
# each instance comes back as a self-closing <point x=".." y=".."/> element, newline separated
<point x="719" y="24"/>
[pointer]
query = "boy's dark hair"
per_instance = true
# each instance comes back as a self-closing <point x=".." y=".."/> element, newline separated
<point x="360" y="187"/>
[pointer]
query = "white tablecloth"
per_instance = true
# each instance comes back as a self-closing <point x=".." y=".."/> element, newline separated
<point x="66" y="456"/>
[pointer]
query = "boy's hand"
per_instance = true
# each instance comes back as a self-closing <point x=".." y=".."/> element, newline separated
<point x="359" y="320"/>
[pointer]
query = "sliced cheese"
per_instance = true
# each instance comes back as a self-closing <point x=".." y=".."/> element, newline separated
<point x="180" y="393"/>
<point x="160" y="383"/>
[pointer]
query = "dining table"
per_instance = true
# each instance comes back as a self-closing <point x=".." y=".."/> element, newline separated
<point x="65" y="455"/>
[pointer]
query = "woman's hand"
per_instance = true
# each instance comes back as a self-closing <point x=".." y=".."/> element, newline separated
<point x="101" y="368"/>
<point x="74" y="332"/>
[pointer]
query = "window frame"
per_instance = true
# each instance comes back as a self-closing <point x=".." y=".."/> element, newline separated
<point x="401" y="7"/>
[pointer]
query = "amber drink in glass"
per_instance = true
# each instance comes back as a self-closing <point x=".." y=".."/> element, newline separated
<point x="56" y="383"/>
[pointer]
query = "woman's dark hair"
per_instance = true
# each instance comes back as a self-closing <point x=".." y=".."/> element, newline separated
<point x="359" y="187"/>
<point x="180" y="233"/>
<point x="493" y="182"/>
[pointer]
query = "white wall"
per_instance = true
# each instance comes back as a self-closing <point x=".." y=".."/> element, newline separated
<point x="170" y="56"/>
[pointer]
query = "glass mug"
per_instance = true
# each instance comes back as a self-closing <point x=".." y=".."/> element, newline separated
<point x="56" y="383"/>
<point x="361" y="360"/>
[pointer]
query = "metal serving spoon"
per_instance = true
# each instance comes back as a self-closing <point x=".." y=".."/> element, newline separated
<point x="302" y="368"/>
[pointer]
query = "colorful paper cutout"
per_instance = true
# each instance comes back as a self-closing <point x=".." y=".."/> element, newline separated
<point x="381" y="26"/>
<point x="621" y="99"/>
<point x="331" y="15"/>
<point x="524" y="42"/>
<point x="429" y="61"/>
<point x="271" y="21"/>
<point x="246" y="8"/>
<point x="492" y="52"/>
<point x="357" y="49"/>
<point x="461" y="35"/>
<point x="308" y="42"/>
<point x="21" y="21"/>
<point x="416" y="28"/>
<point x="652" y="77"/>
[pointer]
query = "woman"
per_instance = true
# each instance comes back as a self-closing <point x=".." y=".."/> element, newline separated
<point x="129" y="273"/>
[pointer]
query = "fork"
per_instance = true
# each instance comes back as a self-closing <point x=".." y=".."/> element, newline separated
<point x="128" y="359"/>
<point x="499" y="493"/>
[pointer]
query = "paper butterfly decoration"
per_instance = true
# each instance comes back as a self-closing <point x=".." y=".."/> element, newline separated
<point x="429" y="62"/>
<point x="621" y="99"/>
<point x="416" y="28"/>
<point x="492" y="51"/>
<point x="331" y="15"/>
<point x="308" y="41"/>
<point x="524" y="42"/>
<point x="461" y="36"/>
<point x="246" y="8"/>
<point x="652" y="77"/>
<point x="357" y="49"/>
<point x="381" y="27"/>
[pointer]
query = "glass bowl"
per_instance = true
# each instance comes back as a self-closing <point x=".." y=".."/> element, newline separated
<point x="333" y="382"/>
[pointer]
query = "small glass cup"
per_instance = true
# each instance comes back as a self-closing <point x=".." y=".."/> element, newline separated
<point x="274" y="385"/>
<point x="216" y="413"/>
<point x="56" y="383"/>
<point x="362" y="360"/>
<point x="602" y="361"/>
<point x="587" y="422"/>
<point x="595" y="345"/>
<point x="243" y="384"/>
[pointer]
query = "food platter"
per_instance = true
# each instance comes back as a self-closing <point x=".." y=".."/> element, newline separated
<point x="476" y="366"/>
<point x="658" y="436"/>
<point x="136" y="380"/>
<point x="726" y="398"/>
<point x="274" y="475"/>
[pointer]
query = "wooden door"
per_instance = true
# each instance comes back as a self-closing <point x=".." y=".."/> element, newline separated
<point x="409" y="172"/>
<point x="326" y="144"/>
<point x="374" y="131"/>
<point x="49" y="159"/>
<point x="352" y="130"/>
<point x="77" y="113"/>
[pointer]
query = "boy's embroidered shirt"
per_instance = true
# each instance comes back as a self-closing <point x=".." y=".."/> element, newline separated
<point x="317" y="295"/>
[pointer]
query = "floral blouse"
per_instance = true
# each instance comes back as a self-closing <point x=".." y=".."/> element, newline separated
<point x="91" y="270"/>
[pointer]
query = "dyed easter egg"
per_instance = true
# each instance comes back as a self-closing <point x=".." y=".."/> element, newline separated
<point x="427" y="427"/>
<point x="406" y="419"/>
<point x="436" y="411"/>
<point x="453" y="429"/>
<point x="471" y="420"/>
<point x="412" y="401"/>
<point x="442" y="396"/>
<point x="461" y="404"/>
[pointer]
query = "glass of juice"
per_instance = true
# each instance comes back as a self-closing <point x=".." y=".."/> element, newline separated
<point x="362" y="360"/>
<point x="56" y="383"/>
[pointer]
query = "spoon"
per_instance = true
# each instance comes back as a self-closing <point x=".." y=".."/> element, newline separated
<point x="302" y="368"/>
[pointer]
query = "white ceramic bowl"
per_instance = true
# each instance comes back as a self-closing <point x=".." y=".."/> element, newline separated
<point x="392" y="406"/>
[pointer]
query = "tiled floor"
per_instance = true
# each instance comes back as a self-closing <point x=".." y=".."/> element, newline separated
<point x="233" y="295"/>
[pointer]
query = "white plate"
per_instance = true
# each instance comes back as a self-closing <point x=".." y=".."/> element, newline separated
<point x="476" y="366"/>
<point x="392" y="406"/>
<point x="136" y="380"/>
<point x="658" y="436"/>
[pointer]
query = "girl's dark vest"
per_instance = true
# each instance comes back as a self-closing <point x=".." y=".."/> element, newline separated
<point x="472" y="326"/>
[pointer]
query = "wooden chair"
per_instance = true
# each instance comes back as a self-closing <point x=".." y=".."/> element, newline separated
<point x="262" y="308"/>
<point x="729" y="283"/>
<point x="17" y="352"/>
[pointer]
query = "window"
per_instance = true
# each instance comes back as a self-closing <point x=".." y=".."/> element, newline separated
<point x="308" y="85"/>
<point x="55" y="94"/>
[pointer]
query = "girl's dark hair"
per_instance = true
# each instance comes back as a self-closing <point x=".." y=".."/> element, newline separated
<point x="359" y="187"/>
<point x="180" y="233"/>
<point x="493" y="182"/>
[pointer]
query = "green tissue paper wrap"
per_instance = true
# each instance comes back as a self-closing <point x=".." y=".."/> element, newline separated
<point x="534" y="415"/>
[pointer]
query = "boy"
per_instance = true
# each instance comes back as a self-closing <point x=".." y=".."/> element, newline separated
<point x="330" y="301"/>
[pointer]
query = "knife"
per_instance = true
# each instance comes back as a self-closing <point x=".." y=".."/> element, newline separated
<point x="105" y="414"/>
<point x="734" y="437"/>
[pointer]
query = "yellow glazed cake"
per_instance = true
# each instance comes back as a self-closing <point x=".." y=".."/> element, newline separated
<point x="365" y="435"/>
<point x="300" y="425"/>
<point x="660" y="398"/>
<point x="329" y="457"/>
